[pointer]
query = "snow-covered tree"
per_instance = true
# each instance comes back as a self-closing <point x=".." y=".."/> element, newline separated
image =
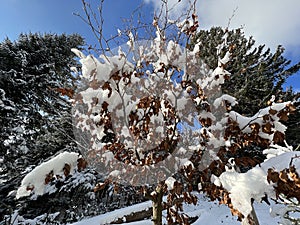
<point x="136" y="108"/>
<point x="152" y="114"/>
<point x="256" y="72"/>
<point x="37" y="138"/>
<point x="35" y="116"/>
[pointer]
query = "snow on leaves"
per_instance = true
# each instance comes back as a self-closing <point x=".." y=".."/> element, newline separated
<point x="270" y="179"/>
<point x="136" y="112"/>
<point x="234" y="188"/>
<point x="58" y="167"/>
<point x="264" y="127"/>
<point x="189" y="27"/>
<point x="133" y="110"/>
<point x="286" y="181"/>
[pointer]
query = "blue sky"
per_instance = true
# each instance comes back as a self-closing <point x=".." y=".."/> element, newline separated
<point x="271" y="22"/>
<point x="56" y="16"/>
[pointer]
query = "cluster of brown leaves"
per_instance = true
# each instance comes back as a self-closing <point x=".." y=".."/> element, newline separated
<point x="220" y="194"/>
<point x="245" y="139"/>
<point x="66" y="170"/>
<point x="64" y="91"/>
<point x="51" y="176"/>
<point x="181" y="193"/>
<point x="141" y="126"/>
<point x="101" y="186"/>
<point x="225" y="199"/>
<point x="190" y="27"/>
<point x="287" y="182"/>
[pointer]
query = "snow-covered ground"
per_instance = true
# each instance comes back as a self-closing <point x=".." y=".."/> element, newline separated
<point x="209" y="213"/>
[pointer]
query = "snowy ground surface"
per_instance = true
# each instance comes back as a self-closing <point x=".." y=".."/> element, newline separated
<point x="209" y="213"/>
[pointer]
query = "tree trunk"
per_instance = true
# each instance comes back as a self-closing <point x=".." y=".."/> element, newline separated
<point x="157" y="205"/>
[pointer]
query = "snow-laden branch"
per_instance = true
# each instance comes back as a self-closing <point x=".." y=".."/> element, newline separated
<point x="254" y="184"/>
<point x="36" y="180"/>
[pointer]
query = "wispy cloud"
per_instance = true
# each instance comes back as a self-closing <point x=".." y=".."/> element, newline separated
<point x="270" y="22"/>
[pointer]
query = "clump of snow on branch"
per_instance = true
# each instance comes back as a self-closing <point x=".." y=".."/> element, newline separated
<point x="265" y="122"/>
<point x="34" y="182"/>
<point x="275" y="150"/>
<point x="243" y="187"/>
<point x="170" y="183"/>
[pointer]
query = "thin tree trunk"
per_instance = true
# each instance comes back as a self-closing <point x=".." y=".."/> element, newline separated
<point x="157" y="205"/>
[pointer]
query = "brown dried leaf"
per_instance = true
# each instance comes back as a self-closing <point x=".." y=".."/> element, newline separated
<point x="81" y="164"/>
<point x="30" y="187"/>
<point x="272" y="111"/>
<point x="267" y="128"/>
<point x="67" y="169"/>
<point x="255" y="127"/>
<point x="101" y="186"/>
<point x="291" y="108"/>
<point x="266" y="117"/>
<point x="65" y="91"/>
<point x="283" y="115"/>
<point x="283" y="176"/>
<point x="49" y="177"/>
<point x="78" y="98"/>
<point x="278" y="137"/>
<point x="272" y="176"/>
<point x="106" y="86"/>
<point x="95" y="84"/>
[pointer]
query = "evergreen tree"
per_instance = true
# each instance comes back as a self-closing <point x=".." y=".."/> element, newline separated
<point x="36" y="123"/>
<point x="35" y="115"/>
<point x="256" y="73"/>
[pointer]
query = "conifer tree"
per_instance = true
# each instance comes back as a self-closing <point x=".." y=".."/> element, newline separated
<point x="257" y="73"/>
<point x="35" y="80"/>
<point x="36" y="85"/>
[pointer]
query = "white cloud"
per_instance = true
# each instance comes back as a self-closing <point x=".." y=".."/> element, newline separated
<point x="270" y="22"/>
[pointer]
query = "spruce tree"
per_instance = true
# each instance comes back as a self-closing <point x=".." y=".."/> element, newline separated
<point x="35" y="116"/>
<point x="36" y="86"/>
<point x="256" y="73"/>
